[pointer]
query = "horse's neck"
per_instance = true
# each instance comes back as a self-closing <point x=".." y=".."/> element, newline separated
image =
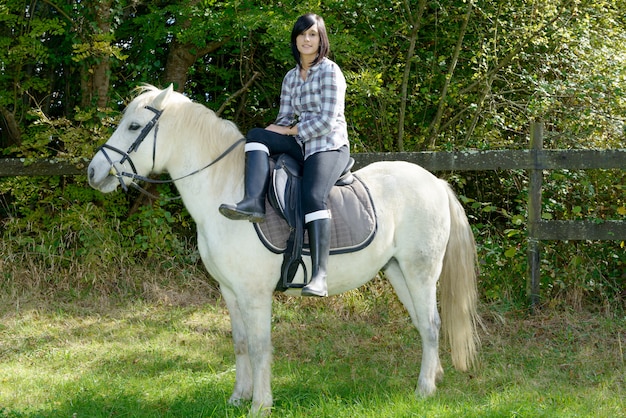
<point x="204" y="191"/>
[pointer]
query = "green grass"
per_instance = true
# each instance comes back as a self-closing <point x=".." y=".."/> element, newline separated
<point x="350" y="356"/>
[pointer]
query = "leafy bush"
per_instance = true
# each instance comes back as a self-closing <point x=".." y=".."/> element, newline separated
<point x="59" y="235"/>
<point x="574" y="274"/>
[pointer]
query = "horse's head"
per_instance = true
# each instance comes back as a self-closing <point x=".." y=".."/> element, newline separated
<point x="130" y="152"/>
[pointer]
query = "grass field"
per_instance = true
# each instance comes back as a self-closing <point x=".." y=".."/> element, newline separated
<point x="356" y="355"/>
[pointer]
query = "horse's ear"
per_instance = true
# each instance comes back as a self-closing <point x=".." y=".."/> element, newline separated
<point x="161" y="99"/>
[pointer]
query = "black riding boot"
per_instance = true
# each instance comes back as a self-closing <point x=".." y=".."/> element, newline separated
<point x="252" y="207"/>
<point x="319" y="243"/>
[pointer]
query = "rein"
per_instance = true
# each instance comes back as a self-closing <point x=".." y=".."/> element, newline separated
<point x="153" y="123"/>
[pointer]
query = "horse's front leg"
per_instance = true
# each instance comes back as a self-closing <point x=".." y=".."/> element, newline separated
<point x="243" y="368"/>
<point x="253" y="313"/>
<point x="256" y="310"/>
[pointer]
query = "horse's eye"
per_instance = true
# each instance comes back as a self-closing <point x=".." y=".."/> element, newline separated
<point x="134" y="126"/>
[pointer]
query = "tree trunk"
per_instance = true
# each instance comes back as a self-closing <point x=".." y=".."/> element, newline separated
<point x="181" y="57"/>
<point x="434" y="126"/>
<point x="95" y="78"/>
<point x="415" y="24"/>
<point x="14" y="134"/>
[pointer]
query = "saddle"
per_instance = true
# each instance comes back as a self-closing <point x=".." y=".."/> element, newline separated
<point x="353" y="223"/>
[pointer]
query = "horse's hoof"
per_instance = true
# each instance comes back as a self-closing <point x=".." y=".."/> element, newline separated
<point x="425" y="390"/>
<point x="260" y="412"/>
<point x="235" y="402"/>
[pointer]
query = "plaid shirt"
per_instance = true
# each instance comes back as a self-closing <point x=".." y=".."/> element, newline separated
<point x="316" y="105"/>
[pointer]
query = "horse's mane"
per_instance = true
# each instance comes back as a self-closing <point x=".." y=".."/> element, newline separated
<point x="199" y="123"/>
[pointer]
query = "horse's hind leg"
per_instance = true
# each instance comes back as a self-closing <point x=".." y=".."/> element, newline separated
<point x="419" y="296"/>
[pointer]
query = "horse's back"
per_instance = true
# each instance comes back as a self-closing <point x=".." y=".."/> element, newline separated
<point x="412" y="207"/>
<point x="404" y="185"/>
<point x="398" y="169"/>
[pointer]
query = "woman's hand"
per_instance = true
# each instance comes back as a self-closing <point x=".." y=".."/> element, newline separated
<point x="283" y="130"/>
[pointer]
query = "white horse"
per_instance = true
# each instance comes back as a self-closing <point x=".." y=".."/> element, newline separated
<point x="423" y="235"/>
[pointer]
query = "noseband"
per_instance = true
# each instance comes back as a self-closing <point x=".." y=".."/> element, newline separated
<point x="153" y="123"/>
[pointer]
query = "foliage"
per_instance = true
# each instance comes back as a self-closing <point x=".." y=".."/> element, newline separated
<point x="72" y="237"/>
<point x="559" y="61"/>
<point x="581" y="273"/>
<point x="68" y="69"/>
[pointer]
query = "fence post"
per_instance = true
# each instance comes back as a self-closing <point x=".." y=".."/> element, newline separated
<point x="534" y="213"/>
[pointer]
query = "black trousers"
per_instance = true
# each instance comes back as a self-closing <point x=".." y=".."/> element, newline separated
<point x="320" y="170"/>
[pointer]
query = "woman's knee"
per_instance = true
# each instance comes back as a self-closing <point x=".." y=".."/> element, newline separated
<point x="315" y="193"/>
<point x="256" y="135"/>
<point x="312" y="202"/>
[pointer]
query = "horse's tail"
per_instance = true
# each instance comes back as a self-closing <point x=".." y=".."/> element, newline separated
<point x="457" y="285"/>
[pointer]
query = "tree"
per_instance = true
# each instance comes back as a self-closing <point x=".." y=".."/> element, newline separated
<point x="434" y="125"/>
<point x="25" y="34"/>
<point x="421" y="75"/>
<point x="415" y="21"/>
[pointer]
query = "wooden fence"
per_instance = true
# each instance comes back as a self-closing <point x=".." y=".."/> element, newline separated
<point x="535" y="160"/>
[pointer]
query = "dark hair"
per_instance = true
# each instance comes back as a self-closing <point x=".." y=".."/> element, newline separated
<point x="303" y="23"/>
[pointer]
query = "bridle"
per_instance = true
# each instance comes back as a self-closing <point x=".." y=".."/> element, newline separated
<point x="153" y="123"/>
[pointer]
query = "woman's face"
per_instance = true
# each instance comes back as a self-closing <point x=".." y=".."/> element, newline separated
<point x="308" y="43"/>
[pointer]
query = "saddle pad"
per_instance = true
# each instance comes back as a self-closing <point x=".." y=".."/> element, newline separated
<point x="353" y="223"/>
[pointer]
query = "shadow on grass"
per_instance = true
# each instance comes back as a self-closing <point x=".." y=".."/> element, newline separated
<point x="179" y="362"/>
<point x="330" y="361"/>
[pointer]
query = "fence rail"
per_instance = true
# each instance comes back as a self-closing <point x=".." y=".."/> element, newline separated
<point x="433" y="161"/>
<point x="14" y="167"/>
<point x="535" y="160"/>
<point x="504" y="159"/>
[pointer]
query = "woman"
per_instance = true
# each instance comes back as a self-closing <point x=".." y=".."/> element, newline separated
<point x="311" y="127"/>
